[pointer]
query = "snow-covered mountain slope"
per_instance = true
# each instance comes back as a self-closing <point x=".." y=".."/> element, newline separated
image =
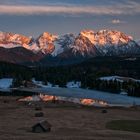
<point x="46" y="42"/>
<point x="101" y="43"/>
<point x="10" y="40"/>
<point x="63" y="44"/>
<point x="86" y="43"/>
<point x="105" y="42"/>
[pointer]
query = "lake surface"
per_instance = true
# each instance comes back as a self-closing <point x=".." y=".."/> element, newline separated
<point x="114" y="99"/>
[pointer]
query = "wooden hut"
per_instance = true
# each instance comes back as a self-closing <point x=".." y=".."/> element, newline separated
<point x="41" y="127"/>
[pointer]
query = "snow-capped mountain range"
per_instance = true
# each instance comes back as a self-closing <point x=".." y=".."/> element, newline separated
<point x="86" y="43"/>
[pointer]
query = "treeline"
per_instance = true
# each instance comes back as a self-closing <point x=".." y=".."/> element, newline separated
<point x="87" y="72"/>
<point x="15" y="71"/>
<point x="114" y="86"/>
<point x="90" y="69"/>
<point x="61" y="75"/>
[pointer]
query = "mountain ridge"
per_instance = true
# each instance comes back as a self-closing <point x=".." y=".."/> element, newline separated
<point x="87" y="43"/>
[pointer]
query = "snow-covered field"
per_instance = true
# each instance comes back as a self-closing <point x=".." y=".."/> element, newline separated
<point x="71" y="84"/>
<point x="5" y="83"/>
<point x="40" y="83"/>
<point x="118" y="78"/>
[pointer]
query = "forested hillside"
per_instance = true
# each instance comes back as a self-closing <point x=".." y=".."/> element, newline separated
<point x="87" y="72"/>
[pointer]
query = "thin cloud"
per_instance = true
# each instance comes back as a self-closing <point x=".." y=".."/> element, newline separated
<point x="117" y="21"/>
<point x="127" y="9"/>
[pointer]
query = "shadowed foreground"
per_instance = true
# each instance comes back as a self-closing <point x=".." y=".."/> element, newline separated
<point x="69" y="121"/>
<point x="125" y="125"/>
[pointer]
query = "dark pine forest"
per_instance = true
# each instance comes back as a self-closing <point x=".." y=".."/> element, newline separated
<point x="88" y="72"/>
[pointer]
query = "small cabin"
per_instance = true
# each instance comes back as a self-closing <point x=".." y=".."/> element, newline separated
<point x="104" y="111"/>
<point x="41" y="127"/>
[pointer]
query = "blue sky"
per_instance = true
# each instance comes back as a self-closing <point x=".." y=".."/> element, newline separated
<point x="32" y="17"/>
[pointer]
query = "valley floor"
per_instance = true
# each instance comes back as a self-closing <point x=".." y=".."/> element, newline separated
<point x="69" y="121"/>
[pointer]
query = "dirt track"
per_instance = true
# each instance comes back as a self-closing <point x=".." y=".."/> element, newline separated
<point x="70" y="122"/>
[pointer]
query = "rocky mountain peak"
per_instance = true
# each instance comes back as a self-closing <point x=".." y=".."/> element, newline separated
<point x="86" y="43"/>
<point x="9" y="40"/>
<point x="46" y="42"/>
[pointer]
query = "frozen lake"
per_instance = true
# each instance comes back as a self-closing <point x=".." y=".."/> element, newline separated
<point x="114" y="99"/>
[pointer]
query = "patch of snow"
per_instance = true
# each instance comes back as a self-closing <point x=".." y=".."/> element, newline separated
<point x="123" y="93"/>
<point x="118" y="78"/>
<point x="56" y="86"/>
<point x="58" y="49"/>
<point x="33" y="47"/>
<point x="40" y="83"/>
<point x="73" y="84"/>
<point x="113" y="78"/>
<point x="89" y="34"/>
<point x="131" y="59"/>
<point x="9" y="45"/>
<point x="6" y="83"/>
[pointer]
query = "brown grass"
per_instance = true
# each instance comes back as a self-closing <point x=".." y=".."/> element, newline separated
<point x="69" y="121"/>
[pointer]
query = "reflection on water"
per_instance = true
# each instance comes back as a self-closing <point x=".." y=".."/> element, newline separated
<point x="47" y="98"/>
